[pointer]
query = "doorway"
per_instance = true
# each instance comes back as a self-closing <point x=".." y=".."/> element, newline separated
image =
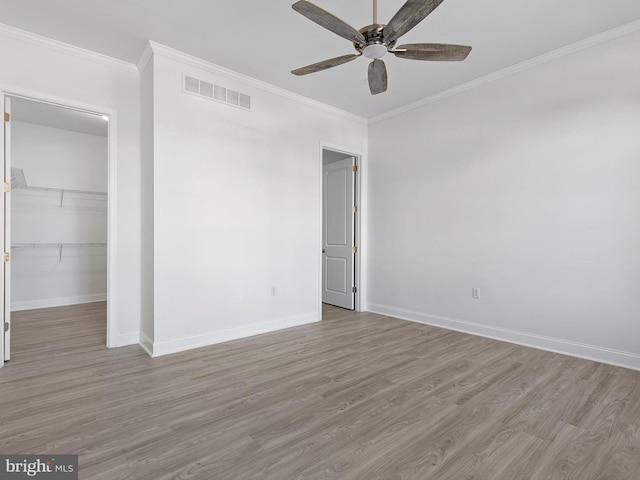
<point x="340" y="229"/>
<point x="56" y="209"/>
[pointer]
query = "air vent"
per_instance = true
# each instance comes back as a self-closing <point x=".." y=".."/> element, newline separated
<point x="216" y="92"/>
<point x="206" y="89"/>
<point x="220" y="93"/>
<point x="245" y="101"/>
<point x="191" y="85"/>
<point x="232" y="97"/>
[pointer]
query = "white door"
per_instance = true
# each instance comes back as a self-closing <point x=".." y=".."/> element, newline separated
<point x="338" y="236"/>
<point x="6" y="271"/>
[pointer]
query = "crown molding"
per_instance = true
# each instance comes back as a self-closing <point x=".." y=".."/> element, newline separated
<point x="196" y="62"/>
<point x="572" y="48"/>
<point x="51" y="44"/>
<point x="145" y="57"/>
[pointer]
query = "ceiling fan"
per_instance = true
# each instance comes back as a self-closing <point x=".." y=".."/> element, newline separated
<point x="374" y="41"/>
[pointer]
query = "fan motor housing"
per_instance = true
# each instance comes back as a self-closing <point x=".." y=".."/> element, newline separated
<point x="373" y="35"/>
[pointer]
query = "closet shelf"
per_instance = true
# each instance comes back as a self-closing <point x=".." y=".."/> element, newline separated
<point x="59" y="246"/>
<point x="51" y="245"/>
<point x="61" y="191"/>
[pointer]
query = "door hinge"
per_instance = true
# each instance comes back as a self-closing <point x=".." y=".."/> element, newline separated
<point x="355" y="168"/>
<point x="6" y="256"/>
<point x="355" y="250"/>
<point x="6" y="326"/>
<point x="7" y="117"/>
<point x="354" y="289"/>
<point x="355" y="209"/>
<point x="7" y="187"/>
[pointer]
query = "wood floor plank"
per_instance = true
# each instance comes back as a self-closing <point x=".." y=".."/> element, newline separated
<point x="356" y="396"/>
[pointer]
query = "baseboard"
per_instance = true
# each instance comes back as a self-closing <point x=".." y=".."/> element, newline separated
<point x="57" y="302"/>
<point x="156" y="349"/>
<point x="574" y="349"/>
<point x="126" y="339"/>
<point x="146" y="343"/>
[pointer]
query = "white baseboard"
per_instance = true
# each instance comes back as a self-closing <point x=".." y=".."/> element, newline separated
<point x="574" y="349"/>
<point x="156" y="349"/>
<point x="146" y="343"/>
<point x="57" y="302"/>
<point x="126" y="339"/>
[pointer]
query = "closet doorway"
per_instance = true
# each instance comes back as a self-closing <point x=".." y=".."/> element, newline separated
<point x="56" y="214"/>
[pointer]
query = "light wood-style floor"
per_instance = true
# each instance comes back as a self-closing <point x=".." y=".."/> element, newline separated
<point x="355" y="397"/>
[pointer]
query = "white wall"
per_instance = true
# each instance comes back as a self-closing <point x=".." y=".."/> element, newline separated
<point x="56" y="158"/>
<point x="527" y="188"/>
<point x="147" y="287"/>
<point x="236" y="208"/>
<point x="52" y="157"/>
<point x="37" y="67"/>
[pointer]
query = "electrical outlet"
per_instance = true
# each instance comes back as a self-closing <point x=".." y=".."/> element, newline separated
<point x="475" y="293"/>
<point x="274" y="291"/>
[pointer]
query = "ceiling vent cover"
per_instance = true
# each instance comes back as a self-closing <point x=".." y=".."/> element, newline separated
<point x="216" y="92"/>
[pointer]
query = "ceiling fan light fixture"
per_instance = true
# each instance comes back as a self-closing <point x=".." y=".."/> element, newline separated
<point x="374" y="51"/>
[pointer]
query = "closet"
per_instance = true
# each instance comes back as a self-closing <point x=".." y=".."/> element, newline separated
<point x="59" y="162"/>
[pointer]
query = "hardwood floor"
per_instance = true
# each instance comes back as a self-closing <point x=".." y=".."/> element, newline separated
<point x="355" y="397"/>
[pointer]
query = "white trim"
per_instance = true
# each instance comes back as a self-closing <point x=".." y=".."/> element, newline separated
<point x="126" y="339"/>
<point x="145" y="57"/>
<point x="112" y="228"/>
<point x="201" y="64"/>
<point x="2" y="299"/>
<point x="57" y="302"/>
<point x="590" y="352"/>
<point x="51" y="44"/>
<point x="156" y="349"/>
<point x="146" y="343"/>
<point x="517" y="68"/>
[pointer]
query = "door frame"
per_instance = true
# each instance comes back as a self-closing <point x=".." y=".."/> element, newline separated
<point x="359" y="263"/>
<point x="111" y="193"/>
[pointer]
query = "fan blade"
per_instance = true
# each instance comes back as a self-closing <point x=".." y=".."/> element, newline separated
<point x="328" y="21"/>
<point x="377" y="77"/>
<point x="317" y="67"/>
<point x="435" y="52"/>
<point x="409" y="15"/>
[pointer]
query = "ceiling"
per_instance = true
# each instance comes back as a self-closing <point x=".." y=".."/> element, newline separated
<point x="267" y="39"/>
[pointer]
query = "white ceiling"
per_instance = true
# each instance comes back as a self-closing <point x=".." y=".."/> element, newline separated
<point x="267" y="39"/>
